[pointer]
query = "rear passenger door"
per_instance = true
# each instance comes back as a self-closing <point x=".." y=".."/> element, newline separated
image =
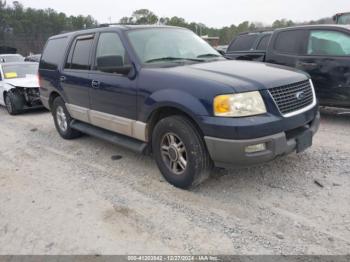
<point x="113" y="94"/>
<point x="327" y="60"/>
<point x="287" y="47"/>
<point x="75" y="75"/>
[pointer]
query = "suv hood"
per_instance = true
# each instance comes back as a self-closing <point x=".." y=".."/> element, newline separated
<point x="28" y="82"/>
<point x="243" y="76"/>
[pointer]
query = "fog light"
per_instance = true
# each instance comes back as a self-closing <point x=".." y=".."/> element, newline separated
<point x="255" y="148"/>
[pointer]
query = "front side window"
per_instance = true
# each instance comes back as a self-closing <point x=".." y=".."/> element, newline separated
<point x="326" y="42"/>
<point x="163" y="44"/>
<point x="79" y="55"/>
<point x="243" y="43"/>
<point x="19" y="70"/>
<point x="110" y="53"/>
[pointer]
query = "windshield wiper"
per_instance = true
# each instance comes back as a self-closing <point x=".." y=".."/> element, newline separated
<point x="208" y="55"/>
<point x="169" y="58"/>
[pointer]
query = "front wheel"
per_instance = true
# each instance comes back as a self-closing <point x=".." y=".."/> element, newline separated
<point x="180" y="152"/>
<point x="63" y="119"/>
<point x="14" y="103"/>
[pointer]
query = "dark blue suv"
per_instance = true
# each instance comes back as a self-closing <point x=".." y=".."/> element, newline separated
<point x="166" y="92"/>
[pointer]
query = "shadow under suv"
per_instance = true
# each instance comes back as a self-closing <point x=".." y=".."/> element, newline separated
<point x="165" y="91"/>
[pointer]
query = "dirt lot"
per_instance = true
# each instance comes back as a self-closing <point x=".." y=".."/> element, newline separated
<point x="70" y="197"/>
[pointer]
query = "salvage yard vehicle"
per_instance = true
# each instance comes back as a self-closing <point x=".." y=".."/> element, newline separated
<point x="19" y="87"/>
<point x="342" y="18"/>
<point x="10" y="58"/>
<point x="165" y="91"/>
<point x="323" y="51"/>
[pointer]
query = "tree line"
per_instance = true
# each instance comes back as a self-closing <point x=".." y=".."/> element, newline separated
<point x="27" y="29"/>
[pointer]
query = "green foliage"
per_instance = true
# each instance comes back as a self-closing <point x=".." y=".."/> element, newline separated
<point x="226" y="34"/>
<point x="27" y="29"/>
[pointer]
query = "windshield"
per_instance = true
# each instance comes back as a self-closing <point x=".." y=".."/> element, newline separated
<point x="19" y="71"/>
<point x="164" y="45"/>
<point x="11" y="58"/>
<point x="344" y="19"/>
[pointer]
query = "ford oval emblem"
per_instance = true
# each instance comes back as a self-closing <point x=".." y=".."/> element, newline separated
<point x="300" y="95"/>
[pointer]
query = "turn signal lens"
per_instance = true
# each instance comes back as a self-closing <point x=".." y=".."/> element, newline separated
<point x="222" y="104"/>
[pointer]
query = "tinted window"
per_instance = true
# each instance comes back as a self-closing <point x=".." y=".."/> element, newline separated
<point x="243" y="43"/>
<point x="79" y="54"/>
<point x="289" y="41"/>
<point x="328" y="43"/>
<point x="110" y="53"/>
<point x="53" y="53"/>
<point x="264" y="41"/>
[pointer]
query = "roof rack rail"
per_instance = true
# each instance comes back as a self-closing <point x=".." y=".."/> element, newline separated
<point x="257" y="31"/>
<point x="109" y="24"/>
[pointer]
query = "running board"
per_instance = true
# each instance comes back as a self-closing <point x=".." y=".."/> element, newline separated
<point x="114" y="138"/>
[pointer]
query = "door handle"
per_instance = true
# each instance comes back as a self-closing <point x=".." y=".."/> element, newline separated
<point x="95" y="84"/>
<point x="308" y="64"/>
<point x="63" y="78"/>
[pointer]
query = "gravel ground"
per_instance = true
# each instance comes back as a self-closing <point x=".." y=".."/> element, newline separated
<point x="89" y="197"/>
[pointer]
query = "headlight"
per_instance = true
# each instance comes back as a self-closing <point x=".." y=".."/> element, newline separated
<point x="239" y="105"/>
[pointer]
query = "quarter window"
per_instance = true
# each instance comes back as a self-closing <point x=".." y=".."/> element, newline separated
<point x="330" y="43"/>
<point x="52" y="55"/>
<point x="110" y="53"/>
<point x="289" y="42"/>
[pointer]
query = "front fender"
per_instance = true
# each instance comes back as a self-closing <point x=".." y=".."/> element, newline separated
<point x="178" y="99"/>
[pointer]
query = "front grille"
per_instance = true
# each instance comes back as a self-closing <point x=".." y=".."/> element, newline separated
<point x="293" y="97"/>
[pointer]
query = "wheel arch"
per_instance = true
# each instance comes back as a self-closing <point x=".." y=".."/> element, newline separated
<point x="166" y="111"/>
<point x="52" y="97"/>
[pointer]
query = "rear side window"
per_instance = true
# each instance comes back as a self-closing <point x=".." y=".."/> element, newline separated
<point x="53" y="53"/>
<point x="79" y="55"/>
<point x="243" y="43"/>
<point x="264" y="41"/>
<point x="289" y="42"/>
<point x="332" y="43"/>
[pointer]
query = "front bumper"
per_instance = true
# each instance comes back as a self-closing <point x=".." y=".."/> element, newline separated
<point x="232" y="153"/>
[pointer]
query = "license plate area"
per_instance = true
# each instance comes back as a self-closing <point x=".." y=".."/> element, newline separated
<point x="304" y="141"/>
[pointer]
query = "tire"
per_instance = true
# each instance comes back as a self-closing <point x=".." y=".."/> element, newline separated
<point x="174" y="140"/>
<point x="14" y="103"/>
<point x="63" y="119"/>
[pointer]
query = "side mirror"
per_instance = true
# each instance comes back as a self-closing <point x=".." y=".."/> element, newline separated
<point x="121" y="70"/>
<point x="113" y="64"/>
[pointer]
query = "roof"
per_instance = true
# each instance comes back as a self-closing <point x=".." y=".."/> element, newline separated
<point x="119" y="27"/>
<point x="318" y="26"/>
<point x="299" y="26"/>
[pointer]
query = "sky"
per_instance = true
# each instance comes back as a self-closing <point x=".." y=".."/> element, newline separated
<point x="213" y="13"/>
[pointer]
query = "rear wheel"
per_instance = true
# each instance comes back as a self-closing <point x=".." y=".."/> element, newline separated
<point x="63" y="119"/>
<point x="14" y="103"/>
<point x="180" y="152"/>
